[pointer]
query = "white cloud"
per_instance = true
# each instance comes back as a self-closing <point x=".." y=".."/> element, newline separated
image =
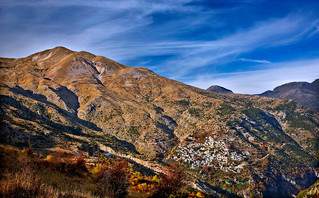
<point x="254" y="61"/>
<point x="258" y="81"/>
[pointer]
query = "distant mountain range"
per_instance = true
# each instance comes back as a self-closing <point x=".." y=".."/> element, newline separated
<point x="231" y="144"/>
<point x="307" y="94"/>
<point x="304" y="93"/>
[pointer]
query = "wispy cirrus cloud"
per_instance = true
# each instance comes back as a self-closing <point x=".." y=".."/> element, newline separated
<point x="111" y="36"/>
<point x="84" y="25"/>
<point x="148" y="6"/>
<point x="254" y="60"/>
<point x="196" y="54"/>
<point x="189" y="55"/>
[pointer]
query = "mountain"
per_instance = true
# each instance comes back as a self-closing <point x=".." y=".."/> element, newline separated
<point x="219" y="89"/>
<point x="230" y="144"/>
<point x="304" y="93"/>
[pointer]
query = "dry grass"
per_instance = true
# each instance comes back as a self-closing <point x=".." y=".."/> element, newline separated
<point x="23" y="174"/>
<point x="25" y="183"/>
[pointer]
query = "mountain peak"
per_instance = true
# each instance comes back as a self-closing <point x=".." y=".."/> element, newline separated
<point x="60" y="62"/>
<point x="219" y="89"/>
<point x="60" y="48"/>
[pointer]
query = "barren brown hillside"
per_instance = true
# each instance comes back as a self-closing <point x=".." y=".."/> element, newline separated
<point x="80" y="101"/>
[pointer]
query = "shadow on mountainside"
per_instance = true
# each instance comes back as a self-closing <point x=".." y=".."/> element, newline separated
<point x="39" y="114"/>
<point x="18" y="138"/>
<point x="70" y="99"/>
<point x="41" y="98"/>
<point x="25" y="113"/>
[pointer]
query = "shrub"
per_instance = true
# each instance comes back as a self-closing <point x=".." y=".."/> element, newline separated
<point x="172" y="181"/>
<point x="155" y="179"/>
<point x="28" y="151"/>
<point x="49" y="158"/>
<point x="79" y="161"/>
<point x="99" y="171"/>
<point x="114" y="180"/>
<point x="65" y="162"/>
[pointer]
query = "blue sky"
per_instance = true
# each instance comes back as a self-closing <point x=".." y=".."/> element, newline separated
<point x="248" y="46"/>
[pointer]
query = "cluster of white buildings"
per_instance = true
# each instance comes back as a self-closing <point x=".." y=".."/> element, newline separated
<point x="211" y="153"/>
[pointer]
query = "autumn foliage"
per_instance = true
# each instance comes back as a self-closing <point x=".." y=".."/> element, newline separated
<point x="34" y="176"/>
<point x="113" y="179"/>
<point x="172" y="181"/>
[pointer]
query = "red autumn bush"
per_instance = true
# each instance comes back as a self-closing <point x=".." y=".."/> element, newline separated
<point x="172" y="181"/>
<point x="65" y="162"/>
<point x="79" y="160"/>
<point x="113" y="180"/>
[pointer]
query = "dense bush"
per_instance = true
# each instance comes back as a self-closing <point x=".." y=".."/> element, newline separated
<point x="172" y="181"/>
<point x="113" y="179"/>
<point x="64" y="162"/>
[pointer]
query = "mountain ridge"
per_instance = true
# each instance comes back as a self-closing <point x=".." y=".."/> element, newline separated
<point x="59" y="98"/>
<point x="304" y="93"/>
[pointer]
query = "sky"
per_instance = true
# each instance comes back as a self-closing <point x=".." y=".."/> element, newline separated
<point x="248" y="46"/>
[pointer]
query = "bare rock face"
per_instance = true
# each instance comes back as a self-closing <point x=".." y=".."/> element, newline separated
<point x="304" y="93"/>
<point x="77" y="100"/>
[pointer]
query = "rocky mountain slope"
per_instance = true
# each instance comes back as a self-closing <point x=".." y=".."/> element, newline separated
<point x="304" y="93"/>
<point x="219" y="89"/>
<point x="230" y="144"/>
